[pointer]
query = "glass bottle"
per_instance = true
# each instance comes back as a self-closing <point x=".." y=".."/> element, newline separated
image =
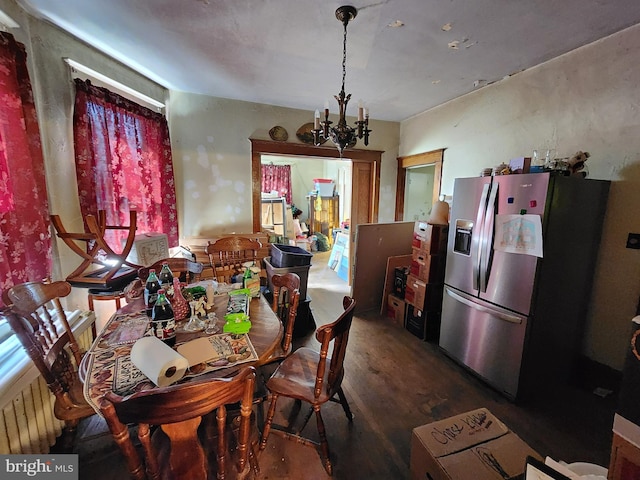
<point x="163" y="322"/>
<point x="179" y="303"/>
<point x="151" y="288"/>
<point x="165" y="276"/>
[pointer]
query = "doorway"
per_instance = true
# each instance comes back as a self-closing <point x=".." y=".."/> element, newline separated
<point x="303" y="171"/>
<point x="365" y="179"/>
<point x="418" y="192"/>
<point x="418" y="184"/>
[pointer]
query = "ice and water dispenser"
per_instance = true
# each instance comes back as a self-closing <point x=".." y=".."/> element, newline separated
<point x="462" y="242"/>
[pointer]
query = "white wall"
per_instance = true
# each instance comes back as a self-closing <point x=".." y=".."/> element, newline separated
<point x="585" y="100"/>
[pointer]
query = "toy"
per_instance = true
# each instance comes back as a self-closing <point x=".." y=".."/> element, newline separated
<point x="577" y="165"/>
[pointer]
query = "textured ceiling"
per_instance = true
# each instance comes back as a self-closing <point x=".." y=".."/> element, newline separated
<point x="289" y="52"/>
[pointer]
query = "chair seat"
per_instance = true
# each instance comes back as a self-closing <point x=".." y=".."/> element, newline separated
<point x="79" y="408"/>
<point x="292" y="378"/>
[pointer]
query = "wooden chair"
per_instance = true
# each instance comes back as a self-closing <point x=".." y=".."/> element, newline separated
<point x="228" y="254"/>
<point x="304" y="376"/>
<point x="286" y="296"/>
<point x="106" y="276"/>
<point x="188" y="270"/>
<point x="178" y="448"/>
<point x="34" y="306"/>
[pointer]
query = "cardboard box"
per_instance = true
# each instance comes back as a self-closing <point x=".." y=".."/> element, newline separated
<point x="396" y="309"/>
<point x="423" y="295"/>
<point x="428" y="268"/>
<point x="470" y="446"/>
<point x="432" y="239"/>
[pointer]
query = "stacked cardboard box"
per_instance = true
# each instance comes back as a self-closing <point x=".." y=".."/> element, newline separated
<point x="425" y="282"/>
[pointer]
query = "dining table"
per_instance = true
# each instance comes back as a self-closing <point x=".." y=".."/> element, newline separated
<point x="107" y="364"/>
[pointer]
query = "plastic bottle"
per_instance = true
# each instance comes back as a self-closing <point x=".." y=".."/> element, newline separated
<point x="165" y="276"/>
<point x="163" y="322"/>
<point x="151" y="288"/>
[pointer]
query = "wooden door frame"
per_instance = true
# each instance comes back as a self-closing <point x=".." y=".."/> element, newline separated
<point x="435" y="158"/>
<point x="267" y="147"/>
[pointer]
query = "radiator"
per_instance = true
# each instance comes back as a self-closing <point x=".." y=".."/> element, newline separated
<point x="27" y="423"/>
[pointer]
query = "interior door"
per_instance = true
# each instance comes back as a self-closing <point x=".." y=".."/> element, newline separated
<point x="363" y="198"/>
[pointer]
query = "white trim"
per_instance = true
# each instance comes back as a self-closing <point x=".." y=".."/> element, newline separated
<point x="16" y="368"/>
<point x="128" y="91"/>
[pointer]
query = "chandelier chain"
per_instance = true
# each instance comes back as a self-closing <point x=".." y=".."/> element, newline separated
<point x="344" y="55"/>
<point x="342" y="135"/>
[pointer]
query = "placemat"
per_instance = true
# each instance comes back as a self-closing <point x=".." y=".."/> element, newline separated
<point x="233" y="349"/>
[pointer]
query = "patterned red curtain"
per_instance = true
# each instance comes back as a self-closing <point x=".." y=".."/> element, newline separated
<point x="278" y="178"/>
<point x="25" y="238"/>
<point x="123" y="162"/>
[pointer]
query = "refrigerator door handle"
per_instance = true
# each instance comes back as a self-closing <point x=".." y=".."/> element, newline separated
<point x="501" y="315"/>
<point x="487" y="238"/>
<point x="476" y="237"/>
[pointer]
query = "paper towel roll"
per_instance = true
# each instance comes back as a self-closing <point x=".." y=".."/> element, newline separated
<point x="158" y="361"/>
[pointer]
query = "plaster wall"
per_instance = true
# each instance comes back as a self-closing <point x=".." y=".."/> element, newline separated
<point x="585" y="100"/>
<point x="212" y="159"/>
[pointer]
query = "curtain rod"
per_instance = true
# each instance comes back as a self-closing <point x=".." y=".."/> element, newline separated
<point x="113" y="83"/>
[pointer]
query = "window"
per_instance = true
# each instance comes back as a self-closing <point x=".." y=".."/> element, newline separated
<point x="123" y="162"/>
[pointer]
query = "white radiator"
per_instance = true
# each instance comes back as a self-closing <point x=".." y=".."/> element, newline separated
<point x="27" y="422"/>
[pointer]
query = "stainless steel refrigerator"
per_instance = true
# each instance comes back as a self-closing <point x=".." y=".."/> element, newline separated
<point x="513" y="317"/>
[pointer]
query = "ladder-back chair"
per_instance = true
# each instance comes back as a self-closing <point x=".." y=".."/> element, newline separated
<point x="229" y="255"/>
<point x="34" y="310"/>
<point x="286" y="296"/>
<point x="313" y="377"/>
<point x="187" y="270"/>
<point x="191" y="443"/>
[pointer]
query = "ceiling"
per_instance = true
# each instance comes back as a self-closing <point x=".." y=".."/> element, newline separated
<point x="289" y="52"/>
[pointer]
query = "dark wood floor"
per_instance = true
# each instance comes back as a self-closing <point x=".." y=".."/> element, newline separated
<point x="395" y="382"/>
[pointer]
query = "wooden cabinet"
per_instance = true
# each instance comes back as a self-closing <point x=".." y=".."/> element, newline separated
<point x="324" y="215"/>
<point x="274" y="215"/>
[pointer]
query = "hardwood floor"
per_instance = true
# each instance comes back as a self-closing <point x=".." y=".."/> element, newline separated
<point x="395" y="382"/>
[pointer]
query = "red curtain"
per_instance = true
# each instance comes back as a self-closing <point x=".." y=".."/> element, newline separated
<point x="25" y="238"/>
<point x="123" y="162"/>
<point x="278" y="178"/>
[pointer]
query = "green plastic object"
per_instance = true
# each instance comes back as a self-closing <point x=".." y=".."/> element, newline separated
<point x="236" y="323"/>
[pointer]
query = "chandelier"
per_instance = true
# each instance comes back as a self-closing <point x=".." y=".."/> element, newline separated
<point x="342" y="135"/>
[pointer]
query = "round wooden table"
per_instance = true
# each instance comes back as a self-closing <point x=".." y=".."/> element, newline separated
<point x="110" y="351"/>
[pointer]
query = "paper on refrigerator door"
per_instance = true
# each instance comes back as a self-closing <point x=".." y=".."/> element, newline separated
<point x="518" y="234"/>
